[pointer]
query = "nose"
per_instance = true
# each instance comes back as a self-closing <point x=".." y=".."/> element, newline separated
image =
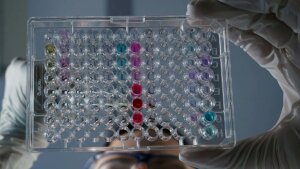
<point x="140" y="166"/>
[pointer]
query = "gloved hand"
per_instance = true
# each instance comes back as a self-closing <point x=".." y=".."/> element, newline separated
<point x="13" y="153"/>
<point x="269" y="34"/>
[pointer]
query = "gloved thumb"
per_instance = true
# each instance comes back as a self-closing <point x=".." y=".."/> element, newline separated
<point x="276" y="149"/>
<point x="257" y="152"/>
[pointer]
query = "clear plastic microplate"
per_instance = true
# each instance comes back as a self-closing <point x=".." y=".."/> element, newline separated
<point x="97" y="80"/>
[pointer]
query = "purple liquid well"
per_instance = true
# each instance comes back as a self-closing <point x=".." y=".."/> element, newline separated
<point x="64" y="62"/>
<point x="194" y="117"/>
<point x="193" y="74"/>
<point x="206" y="60"/>
<point x="135" y="61"/>
<point x="135" y="47"/>
<point x="136" y="75"/>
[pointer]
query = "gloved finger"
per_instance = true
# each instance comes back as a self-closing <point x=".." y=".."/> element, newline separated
<point x="257" y="152"/>
<point x="265" y="25"/>
<point x="272" y="30"/>
<point x="255" y="46"/>
<point x="276" y="149"/>
<point x="13" y="113"/>
<point x="274" y="60"/>
<point x="213" y="9"/>
<point x="14" y="155"/>
<point x="287" y="11"/>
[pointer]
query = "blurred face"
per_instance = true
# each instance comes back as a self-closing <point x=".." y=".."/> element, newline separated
<point x="160" y="159"/>
<point x="138" y="161"/>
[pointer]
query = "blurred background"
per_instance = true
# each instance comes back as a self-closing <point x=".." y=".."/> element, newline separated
<point x="257" y="97"/>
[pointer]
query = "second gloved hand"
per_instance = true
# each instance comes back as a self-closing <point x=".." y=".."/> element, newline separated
<point x="271" y="39"/>
<point x="13" y="151"/>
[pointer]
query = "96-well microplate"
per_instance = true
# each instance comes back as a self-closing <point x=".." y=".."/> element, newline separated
<point x="94" y="81"/>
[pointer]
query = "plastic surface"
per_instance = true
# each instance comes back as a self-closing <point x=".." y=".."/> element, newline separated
<point x="96" y="80"/>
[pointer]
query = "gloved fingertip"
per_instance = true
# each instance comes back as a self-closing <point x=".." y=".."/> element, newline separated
<point x="194" y="8"/>
<point x="194" y="2"/>
<point x="200" y="157"/>
<point x="187" y="157"/>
